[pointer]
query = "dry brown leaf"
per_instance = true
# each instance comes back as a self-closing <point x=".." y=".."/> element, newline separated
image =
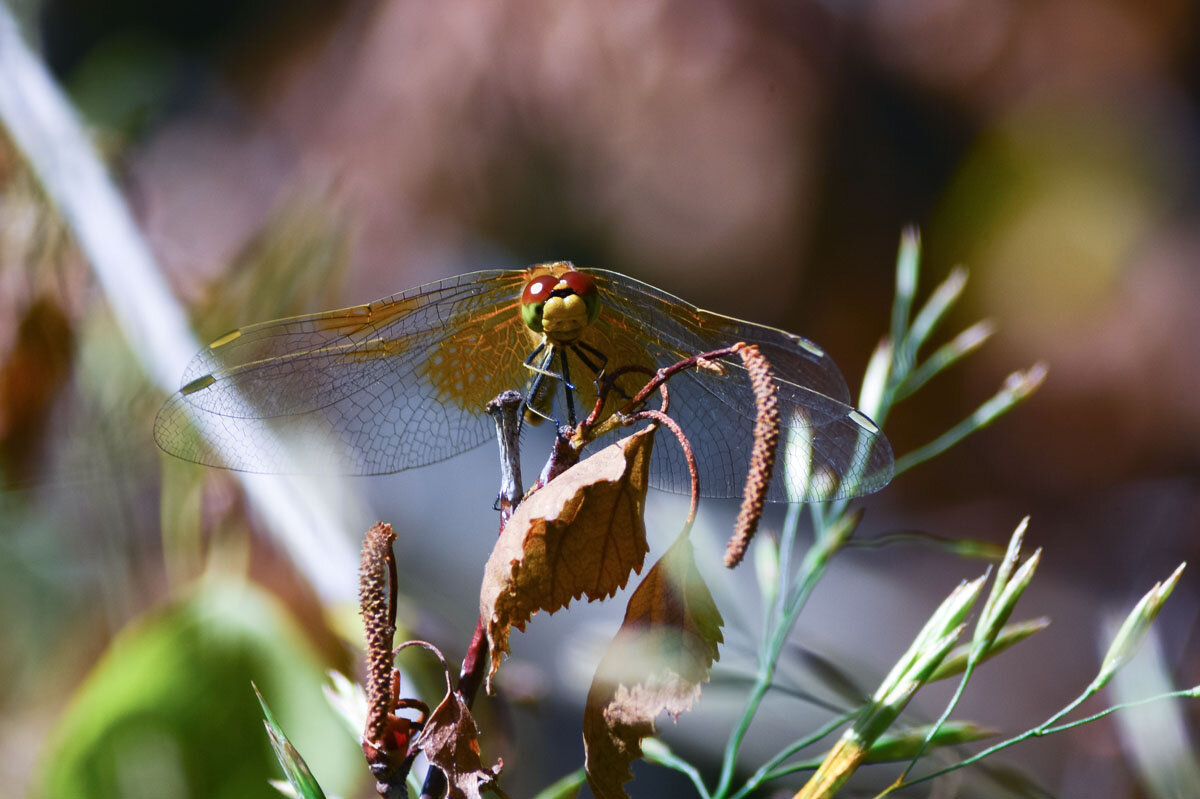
<point x="656" y="663"/>
<point x="581" y="535"/>
<point x="31" y="374"/>
<point x="450" y="741"/>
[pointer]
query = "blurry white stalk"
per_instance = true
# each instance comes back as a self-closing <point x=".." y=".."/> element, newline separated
<point x="1155" y="735"/>
<point x="299" y="513"/>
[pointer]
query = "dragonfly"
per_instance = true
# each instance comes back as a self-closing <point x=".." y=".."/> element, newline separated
<point x="403" y="382"/>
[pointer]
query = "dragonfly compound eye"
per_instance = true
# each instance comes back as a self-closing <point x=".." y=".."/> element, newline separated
<point x="533" y="300"/>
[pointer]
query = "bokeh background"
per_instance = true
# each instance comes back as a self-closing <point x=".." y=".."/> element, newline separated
<point x="758" y="158"/>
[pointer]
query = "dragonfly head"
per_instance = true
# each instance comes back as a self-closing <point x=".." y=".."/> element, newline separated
<point x="560" y="306"/>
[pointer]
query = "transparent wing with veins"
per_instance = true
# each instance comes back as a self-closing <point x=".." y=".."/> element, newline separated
<point x="402" y="382"/>
<point x="372" y="389"/>
<point x="829" y="449"/>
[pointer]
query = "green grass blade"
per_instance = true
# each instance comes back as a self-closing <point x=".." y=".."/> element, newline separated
<point x="294" y="767"/>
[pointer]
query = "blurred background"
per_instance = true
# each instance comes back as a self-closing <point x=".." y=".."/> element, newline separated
<point x="757" y="158"/>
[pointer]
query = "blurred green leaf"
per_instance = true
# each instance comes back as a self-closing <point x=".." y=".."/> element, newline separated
<point x="565" y="787"/>
<point x="124" y="84"/>
<point x="906" y="743"/>
<point x="168" y="710"/>
<point x="962" y="547"/>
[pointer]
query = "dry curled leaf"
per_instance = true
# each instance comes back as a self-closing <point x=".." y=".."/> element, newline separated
<point x="451" y="742"/>
<point x="656" y="663"/>
<point x="583" y="534"/>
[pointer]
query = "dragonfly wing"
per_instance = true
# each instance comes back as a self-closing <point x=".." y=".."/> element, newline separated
<point x="398" y="383"/>
<point x="682" y="327"/>
<point x="829" y="450"/>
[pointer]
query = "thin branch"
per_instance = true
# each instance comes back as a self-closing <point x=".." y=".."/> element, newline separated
<point x="694" y="474"/>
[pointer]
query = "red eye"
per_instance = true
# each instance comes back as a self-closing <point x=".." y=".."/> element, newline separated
<point x="538" y="290"/>
<point x="581" y="283"/>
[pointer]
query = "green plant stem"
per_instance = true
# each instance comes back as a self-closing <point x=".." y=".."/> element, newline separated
<point x="953" y="703"/>
<point x="787" y="543"/>
<point x="936" y="447"/>
<point x="831" y="527"/>
<point x="939" y="303"/>
<point x="1045" y="728"/>
<point x="673" y="761"/>
<point x="768" y="771"/>
<point x="813" y="567"/>
<point x="942" y="358"/>
<point x="1183" y="693"/>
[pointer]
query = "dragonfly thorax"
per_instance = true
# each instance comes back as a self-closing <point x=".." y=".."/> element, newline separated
<point x="560" y="307"/>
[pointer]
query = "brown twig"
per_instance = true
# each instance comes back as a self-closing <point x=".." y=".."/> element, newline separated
<point x="666" y="421"/>
<point x="762" y="455"/>
<point x="436" y="653"/>
<point x="657" y="382"/>
<point x="562" y="457"/>
<point x="703" y="360"/>
<point x="607" y="383"/>
<point x="505" y="409"/>
<point x="586" y="433"/>
<point x="471" y="675"/>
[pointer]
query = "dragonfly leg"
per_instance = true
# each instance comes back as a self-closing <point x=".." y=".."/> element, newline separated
<point x="544" y="367"/>
<point x="584" y="345"/>
<point x="568" y="389"/>
<point x="578" y="348"/>
<point x="534" y="354"/>
<point x="599" y="371"/>
<point x="536" y="395"/>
